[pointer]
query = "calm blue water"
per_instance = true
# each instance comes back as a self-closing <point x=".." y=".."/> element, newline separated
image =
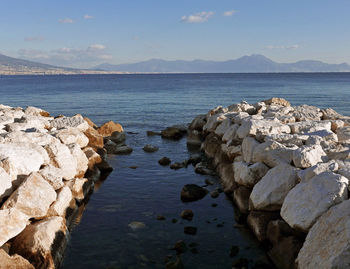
<point x="152" y="102"/>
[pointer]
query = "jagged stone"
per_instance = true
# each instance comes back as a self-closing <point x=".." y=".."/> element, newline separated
<point x="241" y="198"/>
<point x="81" y="159"/>
<point x="308" y="156"/>
<point x="344" y="134"/>
<point x="248" y="146"/>
<point x="13" y="262"/>
<point x="12" y="222"/>
<point x="53" y="175"/>
<point x="317" y="169"/>
<point x="198" y="123"/>
<point x="59" y="207"/>
<point x="5" y="184"/>
<point x="258" y="221"/>
<point x="72" y="136"/>
<point x="76" y="121"/>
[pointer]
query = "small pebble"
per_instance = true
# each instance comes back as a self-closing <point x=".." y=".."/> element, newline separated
<point x="160" y="217"/>
<point x="164" y="161"/>
<point x="187" y="214"/>
<point x="214" y="194"/>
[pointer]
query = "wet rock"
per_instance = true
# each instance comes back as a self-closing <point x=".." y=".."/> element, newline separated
<point x="307" y="201"/>
<point x="160" y="217"/>
<point x="123" y="150"/>
<point x="152" y="133"/>
<point x="106" y="168"/>
<point x="133" y="167"/>
<point x="194" y="139"/>
<point x="214" y="194"/>
<point x="180" y="247"/>
<point x="12" y="222"/>
<point x="211" y="145"/>
<point x="175" y="265"/>
<point x="150" y="148"/>
<point x="33" y="197"/>
<point x="198" y="123"/>
<point x="214" y="204"/>
<point x="209" y="182"/>
<point x="118" y="137"/>
<point x="187" y="214"/>
<point x="277" y="230"/>
<point x="194" y="159"/>
<point x="80" y="188"/>
<point x="43" y="243"/>
<point x="240" y="263"/>
<point x="136" y="225"/>
<point x="13" y="262"/>
<point x="202" y="169"/>
<point x="258" y="221"/>
<point x="327" y="243"/>
<point x="190" y="230"/>
<point x="241" y="198"/>
<point x="173" y="133"/>
<point x="109" y="127"/>
<point x="174" y="220"/>
<point x="176" y="166"/>
<point x="234" y="251"/>
<point x="192" y="192"/>
<point x="164" y="161"/>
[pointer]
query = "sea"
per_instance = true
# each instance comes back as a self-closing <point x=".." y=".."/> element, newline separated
<point x="102" y="237"/>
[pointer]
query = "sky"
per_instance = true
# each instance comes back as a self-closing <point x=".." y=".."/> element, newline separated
<point x="82" y="34"/>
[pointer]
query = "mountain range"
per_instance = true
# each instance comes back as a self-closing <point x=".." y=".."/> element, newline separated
<point x="254" y="63"/>
<point x="246" y="64"/>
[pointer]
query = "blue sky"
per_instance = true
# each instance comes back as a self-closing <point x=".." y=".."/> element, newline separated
<point x="85" y="33"/>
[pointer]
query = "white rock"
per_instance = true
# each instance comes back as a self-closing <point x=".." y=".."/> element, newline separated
<point x="306" y="112"/>
<point x="307" y="201"/>
<point x="230" y="133"/>
<point x="317" y="169"/>
<point x="4" y="120"/>
<point x="344" y="169"/>
<point x="72" y="135"/>
<point x="33" y="197"/>
<point x="270" y="191"/>
<point x="35" y="111"/>
<point x="327" y="243"/>
<point x="64" y="197"/>
<point x="41" y="139"/>
<point x="242" y="107"/>
<point x="249" y="175"/>
<point x="223" y="127"/>
<point x="53" y="175"/>
<point x="61" y="157"/>
<point x="76" y="121"/>
<point x="239" y="117"/>
<point x="273" y="153"/>
<point x="213" y="121"/>
<point x="5" y="184"/>
<point x="308" y="156"/>
<point x="82" y="160"/>
<point x="80" y="187"/>
<point x="344" y="134"/>
<point x="309" y="126"/>
<point x="288" y="139"/>
<point x="336" y="124"/>
<point x="12" y="222"/>
<point x="248" y="146"/>
<point x="231" y="151"/>
<point x="324" y="135"/>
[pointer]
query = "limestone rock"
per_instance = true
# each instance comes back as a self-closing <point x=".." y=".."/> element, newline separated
<point x="43" y="242"/>
<point x="330" y="114"/>
<point x="258" y="221"/>
<point x="76" y="121"/>
<point x="72" y="135"/>
<point x="81" y="159"/>
<point x="248" y="146"/>
<point x="61" y="157"/>
<point x="230" y="133"/>
<point x="35" y="111"/>
<point x="5" y="184"/>
<point x="198" y="123"/>
<point x="288" y="139"/>
<point x="277" y="101"/>
<point x="53" y="175"/>
<point x="344" y="134"/>
<point x="307" y="201"/>
<point x="226" y="173"/>
<point x="273" y="153"/>
<point x="307" y="174"/>
<point x="12" y="222"/>
<point x="309" y="126"/>
<point x="308" y="156"/>
<point x="37" y="138"/>
<point x="33" y="197"/>
<point x="213" y="122"/>
<point x="241" y="198"/>
<point x="80" y="188"/>
<point x="306" y="112"/>
<point x="64" y="197"/>
<point x="13" y="262"/>
<point x="270" y="192"/>
<point x="223" y="127"/>
<point x="93" y="157"/>
<point x="327" y="243"/>
<point x="95" y="139"/>
<point x="249" y="175"/>
<point x="192" y="192"/>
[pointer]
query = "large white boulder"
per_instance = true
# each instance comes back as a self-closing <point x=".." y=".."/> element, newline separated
<point x="248" y="146"/>
<point x="273" y="153"/>
<point x="327" y="243"/>
<point x="53" y="175"/>
<point x="38" y="138"/>
<point x="61" y="157"/>
<point x="303" y="127"/>
<point x="308" y="156"/>
<point x="72" y="135"/>
<point x="270" y="191"/>
<point x="76" y="121"/>
<point x="64" y="197"/>
<point x="307" y="201"/>
<point x="306" y="112"/>
<point x="230" y="133"/>
<point x="82" y="160"/>
<point x="344" y="134"/>
<point x="5" y="184"/>
<point x="249" y="175"/>
<point x="223" y="127"/>
<point x="33" y="197"/>
<point x="12" y="222"/>
<point x="317" y="169"/>
<point x="288" y="139"/>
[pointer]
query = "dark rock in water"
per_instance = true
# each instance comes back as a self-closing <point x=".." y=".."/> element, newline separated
<point x="164" y="161"/>
<point x="124" y="149"/>
<point x="240" y="263"/>
<point x="180" y="247"/>
<point x="241" y="198"/>
<point x="118" y="137"/>
<point x="194" y="159"/>
<point x="258" y="221"/>
<point x="219" y="190"/>
<point x="277" y="230"/>
<point x="214" y="205"/>
<point x="113" y="148"/>
<point x="187" y="214"/>
<point x="194" y="250"/>
<point x="262" y="265"/>
<point x="174" y="133"/>
<point x="209" y="182"/>
<point x="202" y="169"/>
<point x="198" y="122"/>
<point x="176" y="166"/>
<point x="175" y="265"/>
<point x="193" y="245"/>
<point x="174" y="220"/>
<point x="284" y="253"/>
<point x="214" y="194"/>
<point x="234" y="251"/>
<point x="150" y="148"/>
<point x="133" y="167"/>
<point x="160" y="217"/>
<point x="190" y="230"/>
<point x="220" y="225"/>
<point x="151" y="133"/>
<point x="104" y="167"/>
<point x="192" y="192"/>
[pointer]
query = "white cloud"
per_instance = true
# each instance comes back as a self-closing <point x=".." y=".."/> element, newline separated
<point x="290" y="47"/>
<point x="197" y="17"/>
<point x="34" y="38"/>
<point x="66" y="20"/>
<point x="67" y="56"/>
<point x="229" y="13"/>
<point x="88" y="17"/>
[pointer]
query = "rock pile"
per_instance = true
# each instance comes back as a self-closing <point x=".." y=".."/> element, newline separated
<point x="288" y="169"/>
<point x="48" y="166"/>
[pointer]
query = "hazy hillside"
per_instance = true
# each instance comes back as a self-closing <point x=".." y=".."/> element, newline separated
<point x="253" y="63"/>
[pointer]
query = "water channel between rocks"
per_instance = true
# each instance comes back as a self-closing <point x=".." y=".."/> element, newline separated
<point x="103" y="238"/>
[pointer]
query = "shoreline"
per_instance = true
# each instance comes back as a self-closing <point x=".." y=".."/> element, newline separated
<point x="287" y="170"/>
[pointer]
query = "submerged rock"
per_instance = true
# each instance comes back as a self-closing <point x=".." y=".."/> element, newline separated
<point x="187" y="214"/>
<point x="190" y="230"/>
<point x="136" y="225"/>
<point x="173" y="133"/>
<point x="192" y="192"/>
<point x="164" y="161"/>
<point x="150" y="148"/>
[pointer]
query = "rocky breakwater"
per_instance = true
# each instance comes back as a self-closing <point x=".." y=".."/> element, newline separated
<point x="48" y="167"/>
<point x="287" y="168"/>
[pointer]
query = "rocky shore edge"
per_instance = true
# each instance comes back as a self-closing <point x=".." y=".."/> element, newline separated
<point x="48" y="169"/>
<point x="287" y="169"/>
